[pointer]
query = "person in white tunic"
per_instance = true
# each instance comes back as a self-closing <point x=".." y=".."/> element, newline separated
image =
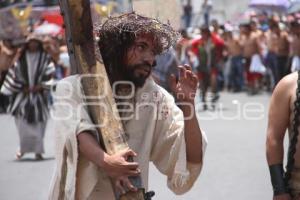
<point x="24" y="83"/>
<point x="157" y="129"/>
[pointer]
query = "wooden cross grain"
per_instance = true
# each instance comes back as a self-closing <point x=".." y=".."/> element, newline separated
<point x="96" y="87"/>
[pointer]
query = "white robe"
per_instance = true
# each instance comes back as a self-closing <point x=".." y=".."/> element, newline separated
<point x="156" y="133"/>
<point x="31" y="135"/>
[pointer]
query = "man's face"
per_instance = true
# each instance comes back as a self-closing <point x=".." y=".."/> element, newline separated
<point x="245" y="30"/>
<point x="205" y="35"/>
<point x="139" y="60"/>
<point x="253" y="25"/>
<point x="33" y="45"/>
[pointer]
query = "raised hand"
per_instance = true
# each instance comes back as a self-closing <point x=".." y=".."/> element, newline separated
<point x="186" y="86"/>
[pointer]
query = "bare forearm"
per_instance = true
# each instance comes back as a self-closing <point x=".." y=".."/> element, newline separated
<point x="114" y="165"/>
<point x="89" y="147"/>
<point x="275" y="151"/>
<point x="193" y="135"/>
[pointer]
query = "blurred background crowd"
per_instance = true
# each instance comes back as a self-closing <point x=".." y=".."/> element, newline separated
<point x="239" y="49"/>
<point x="243" y="46"/>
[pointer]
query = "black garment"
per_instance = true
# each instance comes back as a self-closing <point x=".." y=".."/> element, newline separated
<point x="282" y="62"/>
<point x="31" y="105"/>
<point x="4" y="100"/>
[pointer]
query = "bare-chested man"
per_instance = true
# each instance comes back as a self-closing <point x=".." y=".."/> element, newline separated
<point x="251" y="47"/>
<point x="284" y="107"/>
<point x="257" y="32"/>
<point x="278" y="51"/>
<point x="295" y="46"/>
<point x="235" y="51"/>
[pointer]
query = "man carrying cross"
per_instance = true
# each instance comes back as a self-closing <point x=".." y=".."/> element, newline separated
<point x="157" y="130"/>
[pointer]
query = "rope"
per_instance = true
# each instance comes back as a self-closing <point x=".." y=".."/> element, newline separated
<point x="294" y="137"/>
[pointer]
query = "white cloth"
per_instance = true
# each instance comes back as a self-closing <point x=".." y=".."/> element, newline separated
<point x="295" y="64"/>
<point x="257" y="65"/>
<point x="31" y="135"/>
<point x="156" y="133"/>
<point x="32" y="60"/>
<point x="64" y="59"/>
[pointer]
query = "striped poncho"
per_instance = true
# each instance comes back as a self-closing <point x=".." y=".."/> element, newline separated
<point x="31" y="70"/>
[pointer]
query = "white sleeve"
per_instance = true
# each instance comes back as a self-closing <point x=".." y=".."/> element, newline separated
<point x="169" y="150"/>
<point x="70" y="109"/>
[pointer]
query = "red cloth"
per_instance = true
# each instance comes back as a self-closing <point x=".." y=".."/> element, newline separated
<point x="252" y="76"/>
<point x="217" y="41"/>
<point x="53" y="17"/>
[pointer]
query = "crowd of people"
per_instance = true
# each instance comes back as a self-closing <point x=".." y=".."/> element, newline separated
<point x="251" y="57"/>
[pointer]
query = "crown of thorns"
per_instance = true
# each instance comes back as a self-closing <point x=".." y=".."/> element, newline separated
<point x="113" y="29"/>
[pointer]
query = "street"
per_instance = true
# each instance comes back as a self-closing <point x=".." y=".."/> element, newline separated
<point x="235" y="166"/>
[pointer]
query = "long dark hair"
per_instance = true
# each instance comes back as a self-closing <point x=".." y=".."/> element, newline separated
<point x="118" y="34"/>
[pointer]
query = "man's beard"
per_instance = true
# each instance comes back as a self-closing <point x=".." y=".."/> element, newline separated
<point x="137" y="80"/>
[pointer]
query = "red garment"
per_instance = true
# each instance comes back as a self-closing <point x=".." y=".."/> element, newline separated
<point x="251" y="76"/>
<point x="216" y="40"/>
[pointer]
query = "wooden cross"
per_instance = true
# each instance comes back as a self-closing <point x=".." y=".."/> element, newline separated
<point x="95" y="83"/>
